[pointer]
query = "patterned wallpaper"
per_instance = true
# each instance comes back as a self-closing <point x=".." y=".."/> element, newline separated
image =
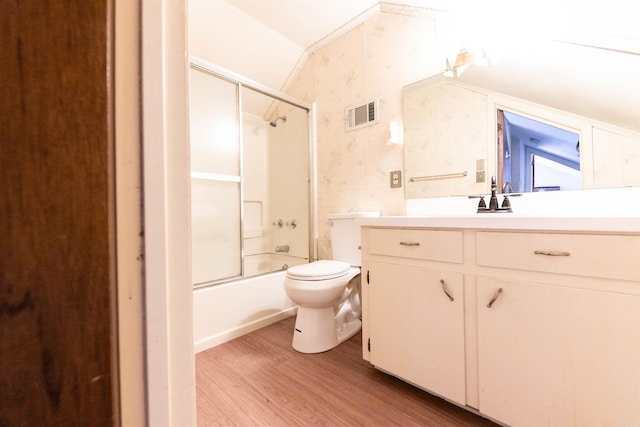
<point x="374" y="60"/>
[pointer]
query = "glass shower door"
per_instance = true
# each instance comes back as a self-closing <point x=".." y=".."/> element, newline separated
<point x="250" y="150"/>
<point x="215" y="145"/>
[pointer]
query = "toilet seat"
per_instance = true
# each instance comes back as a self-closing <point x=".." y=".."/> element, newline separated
<point x="319" y="270"/>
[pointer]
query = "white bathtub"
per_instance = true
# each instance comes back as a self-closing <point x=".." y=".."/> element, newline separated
<point x="255" y="264"/>
<point x="224" y="312"/>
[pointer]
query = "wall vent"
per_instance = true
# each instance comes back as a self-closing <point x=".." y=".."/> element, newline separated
<point x="362" y="115"/>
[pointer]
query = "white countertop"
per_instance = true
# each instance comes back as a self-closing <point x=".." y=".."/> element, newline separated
<point x="510" y="221"/>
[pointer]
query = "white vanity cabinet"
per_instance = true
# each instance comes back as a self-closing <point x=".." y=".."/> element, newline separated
<point x="416" y="331"/>
<point x="544" y="329"/>
<point x="560" y="343"/>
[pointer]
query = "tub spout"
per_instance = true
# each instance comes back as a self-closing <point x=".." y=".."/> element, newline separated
<point x="283" y="248"/>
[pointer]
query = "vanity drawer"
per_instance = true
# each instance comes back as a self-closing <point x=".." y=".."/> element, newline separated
<point x="607" y="256"/>
<point x="432" y="245"/>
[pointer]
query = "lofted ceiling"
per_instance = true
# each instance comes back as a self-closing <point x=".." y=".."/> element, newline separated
<point x="591" y="50"/>
<point x="304" y="22"/>
<point x="609" y="23"/>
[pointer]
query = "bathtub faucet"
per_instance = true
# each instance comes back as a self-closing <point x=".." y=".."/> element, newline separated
<point x="283" y="248"/>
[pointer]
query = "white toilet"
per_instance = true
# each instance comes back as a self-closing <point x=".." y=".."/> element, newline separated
<point x="328" y="292"/>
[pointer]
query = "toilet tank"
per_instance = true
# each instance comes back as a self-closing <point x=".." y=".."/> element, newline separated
<point x="345" y="235"/>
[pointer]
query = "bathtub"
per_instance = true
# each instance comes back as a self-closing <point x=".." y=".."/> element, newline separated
<point x="255" y="264"/>
<point x="227" y="311"/>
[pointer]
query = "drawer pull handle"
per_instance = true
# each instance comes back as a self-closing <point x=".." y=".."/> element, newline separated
<point x="446" y="290"/>
<point x="495" y="297"/>
<point x="410" y="243"/>
<point x="552" y="253"/>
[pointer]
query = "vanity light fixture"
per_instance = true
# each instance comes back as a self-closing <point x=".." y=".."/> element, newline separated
<point x="463" y="60"/>
<point x="449" y="71"/>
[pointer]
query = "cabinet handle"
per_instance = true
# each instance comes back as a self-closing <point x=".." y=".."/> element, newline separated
<point x="552" y="253"/>
<point x="410" y="243"/>
<point x="495" y="297"/>
<point x="445" y="290"/>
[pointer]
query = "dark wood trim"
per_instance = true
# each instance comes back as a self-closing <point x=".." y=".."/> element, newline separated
<point x="57" y="282"/>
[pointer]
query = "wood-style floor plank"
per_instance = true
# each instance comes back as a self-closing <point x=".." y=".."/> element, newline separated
<point x="259" y="380"/>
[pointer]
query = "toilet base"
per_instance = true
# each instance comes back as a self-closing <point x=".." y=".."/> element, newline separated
<point x="315" y="330"/>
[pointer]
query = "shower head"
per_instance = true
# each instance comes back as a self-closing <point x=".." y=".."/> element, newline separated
<point x="274" y="123"/>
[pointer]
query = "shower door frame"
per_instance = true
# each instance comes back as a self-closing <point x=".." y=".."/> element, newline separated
<point x="241" y="82"/>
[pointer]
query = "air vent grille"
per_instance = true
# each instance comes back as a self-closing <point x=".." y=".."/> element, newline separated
<point x="362" y="115"/>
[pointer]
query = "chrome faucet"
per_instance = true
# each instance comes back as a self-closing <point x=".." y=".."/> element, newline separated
<point x="493" y="201"/>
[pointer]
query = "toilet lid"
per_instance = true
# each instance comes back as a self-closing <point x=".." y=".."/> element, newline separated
<point x="319" y="270"/>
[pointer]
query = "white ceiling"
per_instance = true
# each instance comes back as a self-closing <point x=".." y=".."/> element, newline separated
<point x="600" y="62"/>
<point x="611" y="22"/>
<point x="303" y="21"/>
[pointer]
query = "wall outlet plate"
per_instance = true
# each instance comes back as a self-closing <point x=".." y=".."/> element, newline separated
<point x="480" y="176"/>
<point x="395" y="178"/>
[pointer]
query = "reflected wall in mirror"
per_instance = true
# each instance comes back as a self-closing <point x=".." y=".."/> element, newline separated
<point x="536" y="156"/>
<point x="445" y="134"/>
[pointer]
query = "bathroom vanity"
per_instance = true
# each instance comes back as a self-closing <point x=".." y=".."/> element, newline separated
<point x="527" y="321"/>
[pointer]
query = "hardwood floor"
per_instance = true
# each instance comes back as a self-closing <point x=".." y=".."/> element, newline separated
<point x="259" y="380"/>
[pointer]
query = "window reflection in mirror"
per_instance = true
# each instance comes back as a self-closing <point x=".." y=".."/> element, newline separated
<point x="536" y="156"/>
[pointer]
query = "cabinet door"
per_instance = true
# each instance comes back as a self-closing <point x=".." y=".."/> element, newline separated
<point x="557" y="356"/>
<point x="416" y="330"/>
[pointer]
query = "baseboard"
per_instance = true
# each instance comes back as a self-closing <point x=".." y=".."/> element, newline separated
<point x="228" y="335"/>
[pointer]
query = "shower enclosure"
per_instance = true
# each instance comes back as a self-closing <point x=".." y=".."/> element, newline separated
<point x="250" y="177"/>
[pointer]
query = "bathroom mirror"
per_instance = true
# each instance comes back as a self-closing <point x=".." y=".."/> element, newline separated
<point x="451" y="139"/>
